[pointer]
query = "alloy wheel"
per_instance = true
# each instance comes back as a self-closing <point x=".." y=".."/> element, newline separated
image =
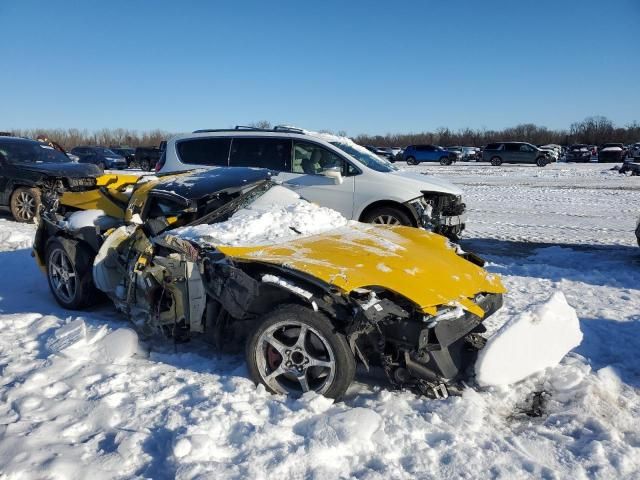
<point x="293" y="357"/>
<point x="25" y="206"/>
<point x="386" y="220"/>
<point x="62" y="275"/>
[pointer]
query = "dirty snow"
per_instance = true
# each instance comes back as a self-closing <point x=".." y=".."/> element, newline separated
<point x="536" y="339"/>
<point x="277" y="216"/>
<point x="187" y="412"/>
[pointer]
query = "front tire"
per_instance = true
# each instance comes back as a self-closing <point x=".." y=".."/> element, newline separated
<point x="411" y="161"/>
<point x="541" y="162"/>
<point x="69" y="274"/>
<point x="445" y="161"/>
<point x="295" y="350"/>
<point x="388" y="216"/>
<point x="496" y="161"/>
<point x="25" y="204"/>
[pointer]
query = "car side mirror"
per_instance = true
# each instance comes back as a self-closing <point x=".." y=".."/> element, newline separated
<point x="335" y="174"/>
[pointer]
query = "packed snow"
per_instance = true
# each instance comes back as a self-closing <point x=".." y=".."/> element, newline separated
<point x="536" y="339"/>
<point x="74" y="406"/>
<point x="277" y="216"/>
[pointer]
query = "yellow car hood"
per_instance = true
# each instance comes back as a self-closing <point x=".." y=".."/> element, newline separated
<point x="419" y="265"/>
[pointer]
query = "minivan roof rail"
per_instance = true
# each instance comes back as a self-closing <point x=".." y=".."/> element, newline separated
<point x="277" y="128"/>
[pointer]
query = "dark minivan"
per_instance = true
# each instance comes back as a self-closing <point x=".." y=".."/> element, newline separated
<point x="515" y="152"/>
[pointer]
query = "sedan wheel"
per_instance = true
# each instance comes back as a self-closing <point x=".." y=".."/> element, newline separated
<point x="62" y="276"/>
<point x="295" y="350"/>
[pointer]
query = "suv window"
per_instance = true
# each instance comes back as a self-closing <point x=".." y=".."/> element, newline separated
<point x="273" y="153"/>
<point x="313" y="159"/>
<point x="526" y="148"/>
<point x="512" y="147"/>
<point x="492" y="146"/>
<point x="205" y="151"/>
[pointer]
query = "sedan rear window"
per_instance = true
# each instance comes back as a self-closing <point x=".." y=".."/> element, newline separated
<point x="205" y="151"/>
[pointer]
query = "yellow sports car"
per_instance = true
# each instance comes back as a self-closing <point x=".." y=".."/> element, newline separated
<point x="309" y="306"/>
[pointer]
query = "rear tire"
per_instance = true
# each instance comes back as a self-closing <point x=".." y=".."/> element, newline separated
<point x="445" y="161"/>
<point x="388" y="216"/>
<point x="69" y="266"/>
<point x="25" y="204"/>
<point x="496" y="161"/>
<point x="295" y="349"/>
<point x="411" y="161"/>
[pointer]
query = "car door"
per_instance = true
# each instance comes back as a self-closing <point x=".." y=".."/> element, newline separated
<point x="528" y="153"/>
<point x="310" y="163"/>
<point x="512" y="153"/>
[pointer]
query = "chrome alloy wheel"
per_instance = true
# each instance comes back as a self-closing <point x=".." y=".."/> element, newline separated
<point x="62" y="275"/>
<point x="386" y="220"/>
<point x="293" y="357"/>
<point x="25" y="206"/>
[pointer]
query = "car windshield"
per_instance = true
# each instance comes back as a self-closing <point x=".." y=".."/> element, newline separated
<point x="363" y="155"/>
<point x="31" y="152"/>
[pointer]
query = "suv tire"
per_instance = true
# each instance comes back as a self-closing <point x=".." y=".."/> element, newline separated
<point x="445" y="161"/>
<point x="496" y="161"/>
<point x="542" y="162"/>
<point x="276" y="345"/>
<point x="25" y="204"/>
<point x="388" y="216"/>
<point x="411" y="161"/>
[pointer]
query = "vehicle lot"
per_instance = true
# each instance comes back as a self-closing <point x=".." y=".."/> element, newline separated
<point x="174" y="411"/>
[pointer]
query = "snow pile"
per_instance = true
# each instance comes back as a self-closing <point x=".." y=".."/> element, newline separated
<point x="14" y="235"/>
<point x="83" y="218"/>
<point x="279" y="215"/>
<point x="529" y="343"/>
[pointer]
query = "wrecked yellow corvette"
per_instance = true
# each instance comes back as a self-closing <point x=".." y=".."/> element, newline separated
<point x="308" y="309"/>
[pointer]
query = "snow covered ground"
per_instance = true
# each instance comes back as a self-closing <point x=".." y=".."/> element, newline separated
<point x="84" y="399"/>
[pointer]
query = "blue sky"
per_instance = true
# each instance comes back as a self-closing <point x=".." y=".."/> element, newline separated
<point x="359" y="66"/>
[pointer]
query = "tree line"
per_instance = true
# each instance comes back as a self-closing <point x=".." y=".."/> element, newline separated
<point x="592" y="130"/>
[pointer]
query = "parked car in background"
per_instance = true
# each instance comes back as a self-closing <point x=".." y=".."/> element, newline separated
<point x="127" y="152"/>
<point x="471" y="154"/>
<point x="331" y="171"/>
<point x="611" y="152"/>
<point x="515" y="152"/>
<point x="146" y="158"/>
<point x="578" y="152"/>
<point x="634" y="151"/>
<point x="556" y="150"/>
<point x="100" y="156"/>
<point x="384" y="152"/>
<point x="457" y="150"/>
<point x="415" y="154"/>
<point x="28" y="168"/>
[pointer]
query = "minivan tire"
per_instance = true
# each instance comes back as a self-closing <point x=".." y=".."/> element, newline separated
<point x="388" y="216"/>
<point x="496" y="161"/>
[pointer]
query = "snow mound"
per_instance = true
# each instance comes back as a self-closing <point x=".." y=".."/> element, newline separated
<point x="529" y="343"/>
<point x="117" y="346"/>
<point x="277" y="216"/>
<point x="83" y="218"/>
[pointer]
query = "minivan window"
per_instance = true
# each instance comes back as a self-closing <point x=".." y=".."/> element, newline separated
<point x="313" y="159"/>
<point x="272" y="153"/>
<point x="363" y="155"/>
<point x="205" y="151"/>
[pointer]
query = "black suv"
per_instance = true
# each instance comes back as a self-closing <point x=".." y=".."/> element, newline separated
<point x="28" y="169"/>
<point x="100" y="156"/>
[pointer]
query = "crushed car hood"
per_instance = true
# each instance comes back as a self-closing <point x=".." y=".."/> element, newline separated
<point x="416" y="264"/>
<point x="420" y="182"/>
<point x="67" y="169"/>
